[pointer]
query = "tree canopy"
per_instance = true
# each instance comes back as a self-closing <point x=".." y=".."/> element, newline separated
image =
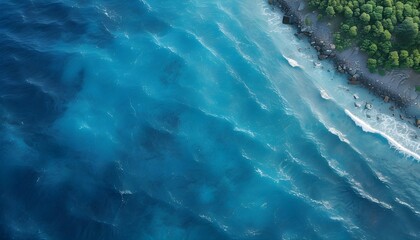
<point x="387" y="30"/>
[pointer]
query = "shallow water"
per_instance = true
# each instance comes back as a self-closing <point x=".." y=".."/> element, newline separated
<point x="190" y="120"/>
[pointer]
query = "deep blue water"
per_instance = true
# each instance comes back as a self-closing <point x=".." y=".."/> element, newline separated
<point x="160" y="119"/>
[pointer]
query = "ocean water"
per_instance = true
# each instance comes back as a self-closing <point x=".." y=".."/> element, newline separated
<point x="196" y="119"/>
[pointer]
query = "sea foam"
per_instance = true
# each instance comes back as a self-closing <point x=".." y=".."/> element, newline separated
<point x="367" y="128"/>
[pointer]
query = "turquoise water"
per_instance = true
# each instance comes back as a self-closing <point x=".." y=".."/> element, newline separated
<point x="190" y="120"/>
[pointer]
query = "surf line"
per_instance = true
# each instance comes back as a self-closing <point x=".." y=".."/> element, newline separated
<point x="367" y="128"/>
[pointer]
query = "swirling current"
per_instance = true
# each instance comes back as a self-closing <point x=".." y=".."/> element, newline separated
<point x="195" y="119"/>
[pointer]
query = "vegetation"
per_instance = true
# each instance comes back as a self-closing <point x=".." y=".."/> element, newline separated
<point x="387" y="30"/>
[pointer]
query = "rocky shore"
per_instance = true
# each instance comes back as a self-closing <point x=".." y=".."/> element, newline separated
<point x="397" y="86"/>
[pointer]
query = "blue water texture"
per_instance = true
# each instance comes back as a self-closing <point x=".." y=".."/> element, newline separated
<point x="195" y="119"/>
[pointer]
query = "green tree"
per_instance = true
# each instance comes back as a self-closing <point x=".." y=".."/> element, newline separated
<point x="385" y="47"/>
<point x="365" y="18"/>
<point x="355" y="4"/>
<point x="379" y="29"/>
<point x="365" y="45"/>
<point x="378" y="13"/>
<point x="330" y="11"/>
<point x="367" y="8"/>
<point x="387" y="23"/>
<point x="366" y="29"/>
<point x="394" y="20"/>
<point x="389" y="29"/>
<point x="345" y="28"/>
<point x="388" y="12"/>
<point x="416" y="59"/>
<point x="394" y="59"/>
<point x="387" y="35"/>
<point x="403" y="54"/>
<point x="356" y="12"/>
<point x="348" y="13"/>
<point x="372" y="49"/>
<point x="408" y="10"/>
<point x="388" y="3"/>
<point x="372" y="64"/>
<point x="407" y="32"/>
<point x="353" y="31"/>
<point x="405" y="59"/>
<point x="399" y="6"/>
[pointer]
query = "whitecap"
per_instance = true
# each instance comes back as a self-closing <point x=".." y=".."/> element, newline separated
<point x="334" y="166"/>
<point x="126" y="192"/>
<point x="206" y="217"/>
<point x="407" y="205"/>
<point x="247" y="132"/>
<point x="325" y="95"/>
<point x="292" y="62"/>
<point x="367" y="128"/>
<point x="358" y="187"/>
<point x="264" y="175"/>
<point x="339" y="134"/>
<point x="149" y="8"/>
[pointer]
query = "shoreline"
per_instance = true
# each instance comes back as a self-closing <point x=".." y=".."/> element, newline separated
<point x="397" y="86"/>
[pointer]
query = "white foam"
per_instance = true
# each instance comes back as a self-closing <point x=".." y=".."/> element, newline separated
<point x="149" y="8"/>
<point x="206" y="217"/>
<point x="339" y="134"/>
<point x="381" y="177"/>
<point x="325" y="95"/>
<point x="247" y="132"/>
<point x="367" y="128"/>
<point x="292" y="62"/>
<point x="407" y="205"/>
<point x="334" y="165"/>
<point x="264" y="175"/>
<point x="358" y="187"/>
<point x="126" y="192"/>
<point x="203" y="43"/>
<point x="237" y="43"/>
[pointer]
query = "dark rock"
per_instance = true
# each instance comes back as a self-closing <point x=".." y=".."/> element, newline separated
<point x="287" y="20"/>
<point x="317" y="64"/>
<point x="352" y="71"/>
<point x="322" y="56"/>
<point x="354" y="82"/>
